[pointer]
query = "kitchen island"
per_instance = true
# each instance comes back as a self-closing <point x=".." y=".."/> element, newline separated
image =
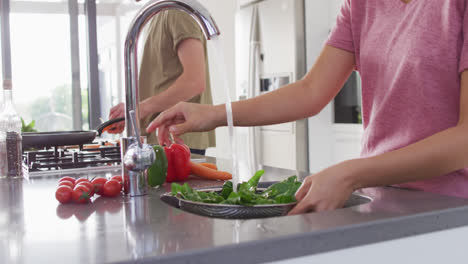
<point x="35" y="228"/>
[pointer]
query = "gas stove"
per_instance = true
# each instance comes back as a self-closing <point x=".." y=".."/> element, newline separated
<point x="100" y="156"/>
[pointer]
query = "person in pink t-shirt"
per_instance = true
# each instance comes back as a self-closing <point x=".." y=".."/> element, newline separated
<point x="413" y="59"/>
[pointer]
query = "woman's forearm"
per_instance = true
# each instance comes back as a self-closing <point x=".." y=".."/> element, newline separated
<point x="437" y="155"/>
<point x="301" y="99"/>
<point x="270" y="108"/>
<point x="289" y="103"/>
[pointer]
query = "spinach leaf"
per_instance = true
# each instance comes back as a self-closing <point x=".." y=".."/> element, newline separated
<point x="282" y="192"/>
<point x="288" y="186"/>
<point x="227" y="189"/>
<point x="251" y="185"/>
<point x="210" y="197"/>
<point x="234" y="198"/>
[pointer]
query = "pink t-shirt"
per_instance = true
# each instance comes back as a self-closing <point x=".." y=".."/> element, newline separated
<point x="410" y="57"/>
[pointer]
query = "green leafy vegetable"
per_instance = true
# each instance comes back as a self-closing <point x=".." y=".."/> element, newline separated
<point x="251" y="185"/>
<point x="247" y="194"/>
<point x="287" y="186"/>
<point x="227" y="189"/>
<point x="29" y="127"/>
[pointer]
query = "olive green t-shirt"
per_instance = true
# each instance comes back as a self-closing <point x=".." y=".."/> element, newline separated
<point x="160" y="67"/>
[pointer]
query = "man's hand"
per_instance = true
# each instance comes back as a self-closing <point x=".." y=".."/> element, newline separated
<point x="116" y="112"/>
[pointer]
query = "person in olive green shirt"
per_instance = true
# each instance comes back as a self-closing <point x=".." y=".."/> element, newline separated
<point x="174" y="68"/>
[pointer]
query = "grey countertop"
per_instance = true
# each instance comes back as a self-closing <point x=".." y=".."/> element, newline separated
<point x="35" y="228"/>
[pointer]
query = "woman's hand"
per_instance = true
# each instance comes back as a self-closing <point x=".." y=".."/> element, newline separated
<point x="186" y="117"/>
<point x="328" y="189"/>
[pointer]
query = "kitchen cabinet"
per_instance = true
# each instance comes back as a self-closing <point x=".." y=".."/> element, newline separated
<point x="429" y="248"/>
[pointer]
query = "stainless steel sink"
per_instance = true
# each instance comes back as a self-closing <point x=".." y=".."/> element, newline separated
<point x="243" y="212"/>
<point x="357" y="199"/>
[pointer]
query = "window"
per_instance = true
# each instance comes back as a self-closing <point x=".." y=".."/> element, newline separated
<point x="41" y="69"/>
<point x="42" y="58"/>
<point x="42" y="64"/>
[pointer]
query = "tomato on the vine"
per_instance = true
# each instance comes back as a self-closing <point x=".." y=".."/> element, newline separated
<point x="89" y="185"/>
<point x="112" y="188"/>
<point x="66" y="183"/>
<point x="63" y="194"/>
<point x="81" y="180"/>
<point x="117" y="178"/>
<point x="67" y="178"/>
<point x="99" y="184"/>
<point x="80" y="194"/>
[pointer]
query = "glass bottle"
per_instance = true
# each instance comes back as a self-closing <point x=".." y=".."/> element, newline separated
<point x="10" y="136"/>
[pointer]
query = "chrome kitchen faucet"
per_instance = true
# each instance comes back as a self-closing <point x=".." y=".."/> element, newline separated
<point x="134" y="176"/>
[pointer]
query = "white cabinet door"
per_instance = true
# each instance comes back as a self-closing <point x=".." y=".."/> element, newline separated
<point x="448" y="246"/>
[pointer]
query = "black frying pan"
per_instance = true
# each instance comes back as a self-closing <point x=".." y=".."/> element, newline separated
<point x="64" y="138"/>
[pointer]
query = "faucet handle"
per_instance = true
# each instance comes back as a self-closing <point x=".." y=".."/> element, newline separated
<point x="139" y="159"/>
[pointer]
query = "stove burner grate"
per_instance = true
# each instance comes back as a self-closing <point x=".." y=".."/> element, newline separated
<point x="62" y="158"/>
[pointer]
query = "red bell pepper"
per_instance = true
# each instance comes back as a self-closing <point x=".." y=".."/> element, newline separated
<point x="178" y="162"/>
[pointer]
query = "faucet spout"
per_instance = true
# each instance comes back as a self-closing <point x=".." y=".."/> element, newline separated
<point x="138" y="157"/>
<point x="191" y="7"/>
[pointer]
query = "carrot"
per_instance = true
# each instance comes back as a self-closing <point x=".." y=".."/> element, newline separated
<point x="209" y="165"/>
<point x="91" y="146"/>
<point x="207" y="173"/>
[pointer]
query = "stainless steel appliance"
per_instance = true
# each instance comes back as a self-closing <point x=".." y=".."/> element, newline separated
<point x="52" y="153"/>
<point x="99" y="156"/>
<point x="270" y="53"/>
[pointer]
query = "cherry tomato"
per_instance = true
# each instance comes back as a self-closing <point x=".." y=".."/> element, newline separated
<point x="67" y="183"/>
<point x="67" y="179"/>
<point x="89" y="185"/>
<point x="98" y="185"/>
<point x="63" y="194"/>
<point x="81" y="180"/>
<point x="117" y="178"/>
<point x="112" y="188"/>
<point x="80" y="194"/>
